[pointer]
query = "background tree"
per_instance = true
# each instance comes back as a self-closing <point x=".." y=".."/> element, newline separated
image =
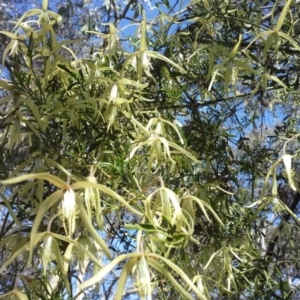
<point x="182" y="154"/>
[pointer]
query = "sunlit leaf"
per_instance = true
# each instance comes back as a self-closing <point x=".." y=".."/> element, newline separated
<point x="287" y="160"/>
<point x="89" y="226"/>
<point x="126" y="272"/>
<point x="44" y="207"/>
<point x="51" y="178"/>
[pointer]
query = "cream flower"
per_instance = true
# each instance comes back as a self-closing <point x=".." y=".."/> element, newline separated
<point x="68" y="203"/>
<point x="68" y="206"/>
<point x="114" y="93"/>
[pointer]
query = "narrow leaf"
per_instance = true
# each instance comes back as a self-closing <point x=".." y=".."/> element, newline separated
<point x="51" y="178"/>
<point x="126" y="272"/>
<point x="282" y="16"/>
<point x="287" y="160"/>
<point x="89" y="226"/>
<point x="44" y="207"/>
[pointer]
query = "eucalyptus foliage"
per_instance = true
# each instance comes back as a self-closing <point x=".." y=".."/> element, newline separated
<point x="151" y="172"/>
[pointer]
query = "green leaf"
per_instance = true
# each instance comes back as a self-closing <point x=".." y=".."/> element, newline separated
<point x="287" y="160"/>
<point x="172" y="280"/>
<point x="10" y="210"/>
<point x="89" y="226"/>
<point x="161" y="57"/>
<point x="106" y="190"/>
<point x="14" y="255"/>
<point x="44" y="207"/>
<point x="34" y="110"/>
<point x="20" y="295"/>
<point x="126" y="272"/>
<point x="233" y="52"/>
<point x="51" y="178"/>
<point x="268" y="45"/>
<point x="144" y="227"/>
<point x="78" y="246"/>
<point x="10" y="34"/>
<point x="282" y="16"/>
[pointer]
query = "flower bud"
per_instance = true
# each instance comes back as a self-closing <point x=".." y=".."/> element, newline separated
<point x="45" y="5"/>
